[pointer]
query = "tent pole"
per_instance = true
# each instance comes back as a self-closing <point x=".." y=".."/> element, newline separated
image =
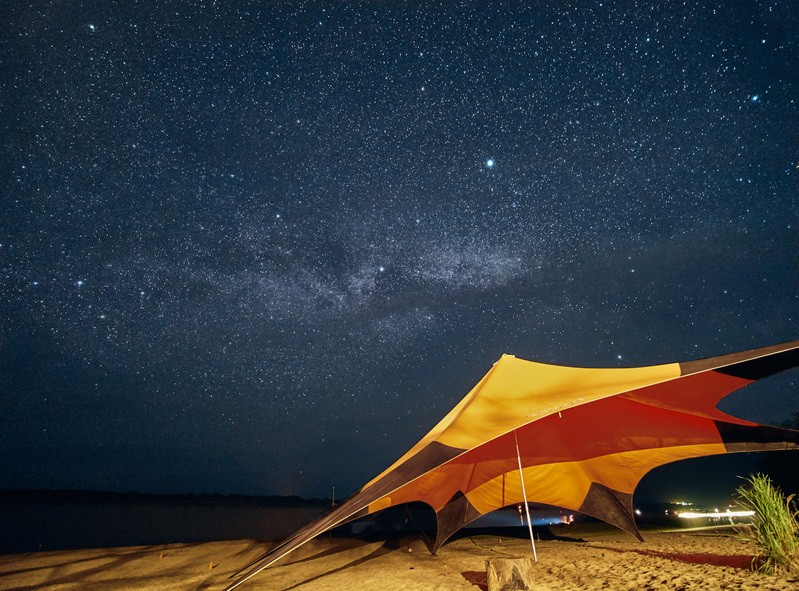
<point x="524" y="494"/>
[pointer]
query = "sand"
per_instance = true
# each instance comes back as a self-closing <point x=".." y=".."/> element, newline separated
<point x="577" y="558"/>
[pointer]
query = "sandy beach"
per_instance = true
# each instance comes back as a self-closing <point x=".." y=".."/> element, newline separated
<point x="575" y="558"/>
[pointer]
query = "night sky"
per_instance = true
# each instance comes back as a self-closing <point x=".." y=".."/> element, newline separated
<point x="263" y="247"/>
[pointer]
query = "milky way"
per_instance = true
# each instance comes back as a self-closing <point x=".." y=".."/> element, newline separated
<point x="241" y="241"/>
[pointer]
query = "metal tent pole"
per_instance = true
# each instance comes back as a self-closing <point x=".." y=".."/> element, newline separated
<point x="524" y="494"/>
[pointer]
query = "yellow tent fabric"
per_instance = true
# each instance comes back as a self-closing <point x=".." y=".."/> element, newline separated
<point x="586" y="438"/>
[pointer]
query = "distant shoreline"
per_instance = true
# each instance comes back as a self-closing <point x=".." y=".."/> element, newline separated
<point x="35" y="520"/>
<point x="206" y="498"/>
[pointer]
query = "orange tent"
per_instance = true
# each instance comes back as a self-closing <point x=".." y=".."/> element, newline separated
<point x="585" y="439"/>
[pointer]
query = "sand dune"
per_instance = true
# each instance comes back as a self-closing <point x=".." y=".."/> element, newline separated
<point x="576" y="558"/>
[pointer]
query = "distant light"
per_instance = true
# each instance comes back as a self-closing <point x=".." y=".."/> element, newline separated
<point x="92" y="27"/>
<point x="490" y="163"/>
<point x="755" y="98"/>
<point x="728" y="513"/>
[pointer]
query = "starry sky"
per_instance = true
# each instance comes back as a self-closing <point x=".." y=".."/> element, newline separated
<point x="263" y="247"/>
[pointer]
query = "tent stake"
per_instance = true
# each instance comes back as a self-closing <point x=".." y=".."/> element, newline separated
<point x="524" y="494"/>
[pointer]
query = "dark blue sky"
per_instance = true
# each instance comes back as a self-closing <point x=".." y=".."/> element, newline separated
<point x="263" y="247"/>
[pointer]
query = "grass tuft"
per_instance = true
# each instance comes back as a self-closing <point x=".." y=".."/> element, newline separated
<point x="775" y="530"/>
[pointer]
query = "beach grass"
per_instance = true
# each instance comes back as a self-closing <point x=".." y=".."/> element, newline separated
<point x="775" y="530"/>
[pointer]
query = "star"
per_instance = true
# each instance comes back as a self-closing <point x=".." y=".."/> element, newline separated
<point x="326" y="199"/>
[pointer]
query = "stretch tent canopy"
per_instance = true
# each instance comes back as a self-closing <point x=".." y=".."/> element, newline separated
<point x="586" y="437"/>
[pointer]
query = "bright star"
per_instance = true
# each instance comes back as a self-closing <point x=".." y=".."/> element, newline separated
<point x="490" y="163"/>
<point x="755" y="98"/>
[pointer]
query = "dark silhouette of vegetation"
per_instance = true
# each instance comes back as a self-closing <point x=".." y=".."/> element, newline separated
<point x="781" y="466"/>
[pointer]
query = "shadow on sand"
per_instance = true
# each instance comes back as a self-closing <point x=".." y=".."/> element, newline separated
<point x="743" y="561"/>
<point x="389" y="545"/>
<point x="64" y="573"/>
<point x="514" y="533"/>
